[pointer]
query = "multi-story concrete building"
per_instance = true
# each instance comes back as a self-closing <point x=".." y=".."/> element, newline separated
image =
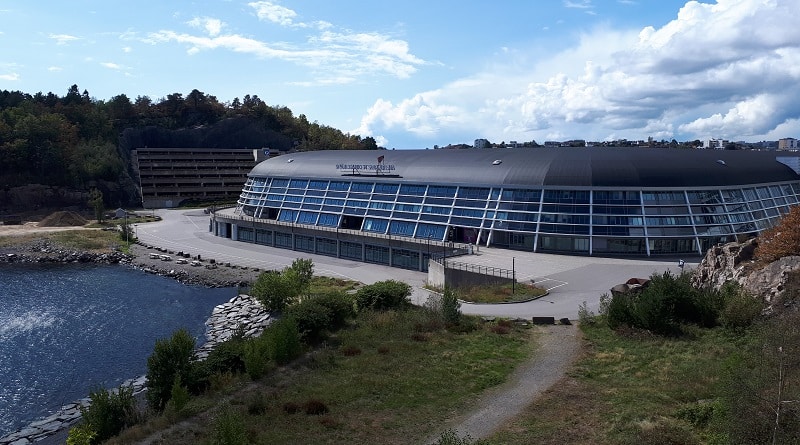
<point x="169" y="176"/>
<point x="787" y="144"/>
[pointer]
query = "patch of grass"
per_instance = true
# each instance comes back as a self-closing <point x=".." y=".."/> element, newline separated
<point x="373" y="397"/>
<point x="324" y="285"/>
<point x="90" y="240"/>
<point x="627" y="389"/>
<point x="504" y="293"/>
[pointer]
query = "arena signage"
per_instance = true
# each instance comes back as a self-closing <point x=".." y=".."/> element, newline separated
<point x="380" y="166"/>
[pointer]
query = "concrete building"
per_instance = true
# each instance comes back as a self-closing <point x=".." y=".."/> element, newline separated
<point x="169" y="176"/>
<point x="787" y="144"/>
<point x="369" y="205"/>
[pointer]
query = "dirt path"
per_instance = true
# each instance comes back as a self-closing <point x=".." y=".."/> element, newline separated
<point x="557" y="348"/>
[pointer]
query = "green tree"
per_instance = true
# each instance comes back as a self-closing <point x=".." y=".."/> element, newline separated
<point x="171" y="360"/>
<point x="109" y="412"/>
<point x="96" y="202"/>
<point x="275" y="290"/>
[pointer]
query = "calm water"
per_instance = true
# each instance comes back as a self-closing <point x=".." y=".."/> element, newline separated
<point x="67" y="329"/>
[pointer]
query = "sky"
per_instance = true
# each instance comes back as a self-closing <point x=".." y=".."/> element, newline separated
<point x="415" y="74"/>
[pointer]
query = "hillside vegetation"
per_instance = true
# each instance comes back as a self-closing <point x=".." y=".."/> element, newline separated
<point x="77" y="141"/>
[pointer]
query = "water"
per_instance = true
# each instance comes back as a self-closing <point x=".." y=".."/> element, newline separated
<point x="67" y="329"/>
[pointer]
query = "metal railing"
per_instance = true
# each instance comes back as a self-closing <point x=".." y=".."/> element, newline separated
<point x="476" y="268"/>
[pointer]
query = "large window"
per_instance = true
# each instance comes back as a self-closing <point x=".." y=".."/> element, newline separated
<point x="375" y="225"/>
<point x="404" y="228"/>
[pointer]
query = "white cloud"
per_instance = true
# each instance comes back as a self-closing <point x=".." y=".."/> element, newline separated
<point x="54" y="69"/>
<point x="583" y="4"/>
<point x="11" y="77"/>
<point x="112" y="66"/>
<point x="715" y="70"/>
<point x="334" y="58"/>
<point x="212" y="26"/>
<point x="63" y="39"/>
<point x="283" y="16"/>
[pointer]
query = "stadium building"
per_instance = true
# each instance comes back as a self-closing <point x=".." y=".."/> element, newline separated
<point x="389" y="207"/>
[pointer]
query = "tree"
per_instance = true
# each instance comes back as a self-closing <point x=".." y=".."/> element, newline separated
<point x="96" y="202"/>
<point x="171" y="359"/>
<point x="275" y="290"/>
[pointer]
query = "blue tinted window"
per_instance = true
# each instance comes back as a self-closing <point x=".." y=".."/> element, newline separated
<point x="339" y="185"/>
<point x="375" y="225"/>
<point x="404" y="228"/>
<point x="407" y="207"/>
<point x="356" y="203"/>
<point x="386" y="188"/>
<point x="361" y="187"/>
<point x="318" y="185"/>
<point x="381" y="205"/>
<point x="436" y="210"/>
<point x="412" y="189"/>
<point x="307" y="218"/>
<point x="431" y="231"/>
<point x="298" y="183"/>
<point x="473" y="193"/>
<point x="444" y="191"/>
<point x="287" y="215"/>
<point x="328" y="220"/>
<point x="334" y="202"/>
<point x="311" y="200"/>
<point x="279" y="182"/>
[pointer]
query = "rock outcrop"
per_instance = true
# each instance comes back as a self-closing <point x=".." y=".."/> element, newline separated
<point x="734" y="262"/>
<point x="242" y="313"/>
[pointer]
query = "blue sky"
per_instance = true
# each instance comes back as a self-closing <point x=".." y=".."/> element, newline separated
<point x="415" y="74"/>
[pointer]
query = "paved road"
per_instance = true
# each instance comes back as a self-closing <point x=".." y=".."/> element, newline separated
<point x="571" y="279"/>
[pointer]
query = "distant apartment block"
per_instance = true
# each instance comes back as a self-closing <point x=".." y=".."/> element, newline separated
<point x="715" y="144"/>
<point x="482" y="143"/>
<point x="170" y="176"/>
<point x="787" y="144"/>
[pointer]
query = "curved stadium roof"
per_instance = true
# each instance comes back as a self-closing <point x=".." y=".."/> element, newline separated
<point x="565" y="167"/>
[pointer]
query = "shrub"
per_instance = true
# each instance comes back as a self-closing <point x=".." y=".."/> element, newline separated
<point x="256" y="357"/>
<point x="449" y="437"/>
<point x="451" y="308"/>
<point x="179" y="396"/>
<point x="257" y="404"/>
<point x="82" y="434"/>
<point x="109" y="412"/>
<point x="229" y="428"/>
<point x="500" y="329"/>
<point x="781" y="240"/>
<point x="291" y="407"/>
<point x="301" y="271"/>
<point x="275" y="290"/>
<point x="312" y="319"/>
<point x="341" y="307"/>
<point x="315" y="407"/>
<point x="350" y="351"/>
<point x="227" y="356"/>
<point x="283" y="340"/>
<point x="171" y="359"/>
<point x="741" y="308"/>
<point x="384" y="295"/>
<point x="664" y="305"/>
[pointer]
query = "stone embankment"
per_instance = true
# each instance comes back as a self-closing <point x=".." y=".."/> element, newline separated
<point x="242" y="314"/>
<point x="44" y="252"/>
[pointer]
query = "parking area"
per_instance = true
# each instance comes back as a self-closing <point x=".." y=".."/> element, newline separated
<point x="570" y="280"/>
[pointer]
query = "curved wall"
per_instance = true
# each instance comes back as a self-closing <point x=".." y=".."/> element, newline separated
<point x="580" y="201"/>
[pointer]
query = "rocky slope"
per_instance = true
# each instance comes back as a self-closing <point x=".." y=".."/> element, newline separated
<point x="735" y="262"/>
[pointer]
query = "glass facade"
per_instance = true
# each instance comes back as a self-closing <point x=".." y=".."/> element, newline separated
<point x="579" y="221"/>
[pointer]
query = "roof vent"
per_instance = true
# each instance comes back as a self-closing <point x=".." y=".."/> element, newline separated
<point x="721" y="162"/>
<point x="497" y="162"/>
<point x="289" y="160"/>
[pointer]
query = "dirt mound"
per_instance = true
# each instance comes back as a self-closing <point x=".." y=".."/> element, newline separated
<point x="63" y="219"/>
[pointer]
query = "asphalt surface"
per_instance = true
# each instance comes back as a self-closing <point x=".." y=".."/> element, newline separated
<point x="571" y="280"/>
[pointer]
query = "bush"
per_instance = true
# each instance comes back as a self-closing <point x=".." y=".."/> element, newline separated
<point x="341" y="307"/>
<point x="257" y="404"/>
<point x="451" y="308"/>
<point x="312" y="319"/>
<point x="384" y="295"/>
<point x="781" y="240"/>
<point x="171" y="359"/>
<point x="229" y="428"/>
<point x="301" y="271"/>
<point x="741" y="308"/>
<point x="82" y="434"/>
<point x="315" y="407"/>
<point x="227" y="356"/>
<point x="179" y="396"/>
<point x="664" y="305"/>
<point x="275" y="290"/>
<point x="283" y="340"/>
<point x="256" y="357"/>
<point x="108" y="413"/>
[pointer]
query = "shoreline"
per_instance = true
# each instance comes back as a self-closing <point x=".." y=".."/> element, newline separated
<point x="43" y="251"/>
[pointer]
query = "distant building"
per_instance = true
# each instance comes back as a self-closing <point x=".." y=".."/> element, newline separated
<point x="482" y="143"/>
<point x="787" y="144"/>
<point x="715" y="144"/>
<point x="170" y="176"/>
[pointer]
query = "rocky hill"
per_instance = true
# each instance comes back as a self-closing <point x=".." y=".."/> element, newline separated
<point x="778" y="282"/>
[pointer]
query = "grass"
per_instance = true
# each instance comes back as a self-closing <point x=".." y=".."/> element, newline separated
<point x="501" y="293"/>
<point x="627" y="389"/>
<point x="396" y="391"/>
<point x="90" y="240"/>
<point x="321" y="285"/>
